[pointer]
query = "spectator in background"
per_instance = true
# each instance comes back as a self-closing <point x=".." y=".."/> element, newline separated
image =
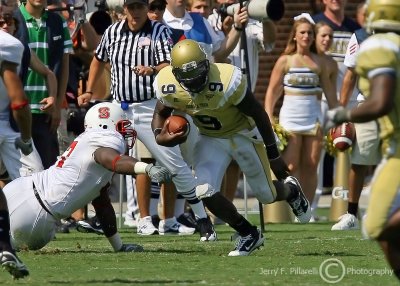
<point x="343" y="27"/>
<point x="188" y="25"/>
<point x="47" y="34"/>
<point x="100" y="21"/>
<point x="361" y="13"/>
<point x="84" y="39"/>
<point x="16" y="162"/>
<point x="323" y="43"/>
<point x="302" y="75"/>
<point x="156" y="10"/>
<point x="365" y="151"/>
<point x="203" y="7"/>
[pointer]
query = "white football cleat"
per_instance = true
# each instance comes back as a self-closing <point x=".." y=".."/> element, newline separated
<point x="146" y="227"/>
<point x="172" y="226"/>
<point x="346" y="222"/>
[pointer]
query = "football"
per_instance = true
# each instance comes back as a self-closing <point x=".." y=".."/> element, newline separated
<point x="343" y="136"/>
<point x="177" y="124"/>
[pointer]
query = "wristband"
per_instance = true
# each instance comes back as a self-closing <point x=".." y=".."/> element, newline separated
<point x="140" y="168"/>
<point x="156" y="131"/>
<point x="115" y="241"/>
<point x="90" y="92"/>
<point x="114" y="162"/>
<point x="237" y="28"/>
<point x="15" y="106"/>
<point x="154" y="69"/>
<point x="272" y="151"/>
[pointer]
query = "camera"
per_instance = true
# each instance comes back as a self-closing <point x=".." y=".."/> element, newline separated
<point x="223" y="10"/>
<point x="260" y="10"/>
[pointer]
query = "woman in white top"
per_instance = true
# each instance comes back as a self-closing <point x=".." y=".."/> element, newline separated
<point x="302" y="76"/>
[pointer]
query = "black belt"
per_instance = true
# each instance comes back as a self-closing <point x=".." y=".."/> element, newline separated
<point x="40" y="200"/>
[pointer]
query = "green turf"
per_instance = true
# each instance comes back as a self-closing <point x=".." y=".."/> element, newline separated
<point x="292" y="255"/>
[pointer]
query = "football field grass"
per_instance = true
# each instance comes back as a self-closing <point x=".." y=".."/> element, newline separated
<point x="293" y="254"/>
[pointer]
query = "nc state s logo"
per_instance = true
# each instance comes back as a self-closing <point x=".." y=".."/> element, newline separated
<point x="104" y="112"/>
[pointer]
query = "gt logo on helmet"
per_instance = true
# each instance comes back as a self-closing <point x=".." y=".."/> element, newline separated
<point x="189" y="66"/>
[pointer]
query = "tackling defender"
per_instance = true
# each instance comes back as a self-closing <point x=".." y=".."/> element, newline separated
<point x="232" y="125"/>
<point x="82" y="174"/>
<point x="378" y="65"/>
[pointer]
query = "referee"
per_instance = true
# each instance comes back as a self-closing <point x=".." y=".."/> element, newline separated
<point x="136" y="49"/>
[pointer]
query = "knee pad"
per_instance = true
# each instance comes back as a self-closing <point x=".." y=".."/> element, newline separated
<point x="204" y="191"/>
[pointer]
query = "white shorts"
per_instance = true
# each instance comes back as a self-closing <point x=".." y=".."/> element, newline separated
<point x="31" y="226"/>
<point x="213" y="155"/>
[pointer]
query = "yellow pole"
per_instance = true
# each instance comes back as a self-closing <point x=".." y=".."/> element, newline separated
<point x="340" y="191"/>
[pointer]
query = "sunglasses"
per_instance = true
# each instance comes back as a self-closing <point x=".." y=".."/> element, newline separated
<point x="7" y="19"/>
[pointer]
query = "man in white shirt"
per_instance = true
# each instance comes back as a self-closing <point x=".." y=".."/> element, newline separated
<point x="185" y="25"/>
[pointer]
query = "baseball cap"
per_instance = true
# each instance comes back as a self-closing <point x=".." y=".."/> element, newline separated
<point x="129" y="2"/>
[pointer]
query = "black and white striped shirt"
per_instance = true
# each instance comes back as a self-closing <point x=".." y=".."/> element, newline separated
<point x="125" y="49"/>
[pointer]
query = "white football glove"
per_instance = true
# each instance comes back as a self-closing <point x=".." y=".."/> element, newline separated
<point x="25" y="147"/>
<point x="130" y="247"/>
<point x="278" y="142"/>
<point x="158" y="174"/>
<point x="336" y="116"/>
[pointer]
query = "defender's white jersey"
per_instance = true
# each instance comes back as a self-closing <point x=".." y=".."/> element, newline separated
<point x="76" y="179"/>
<point x="11" y="50"/>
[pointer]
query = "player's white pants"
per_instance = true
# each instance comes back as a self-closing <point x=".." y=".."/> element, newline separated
<point x="16" y="163"/>
<point x="31" y="225"/>
<point x="213" y="155"/>
<point x="141" y="114"/>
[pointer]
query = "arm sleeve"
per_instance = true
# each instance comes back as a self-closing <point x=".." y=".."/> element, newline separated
<point x="11" y="49"/>
<point x="351" y="52"/>
<point x="163" y="45"/>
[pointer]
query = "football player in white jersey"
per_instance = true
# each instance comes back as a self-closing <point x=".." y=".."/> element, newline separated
<point x="82" y="174"/>
<point x="232" y="125"/>
<point x="12" y="97"/>
<point x="378" y="65"/>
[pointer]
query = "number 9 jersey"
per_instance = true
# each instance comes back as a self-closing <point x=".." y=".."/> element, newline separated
<point x="213" y="109"/>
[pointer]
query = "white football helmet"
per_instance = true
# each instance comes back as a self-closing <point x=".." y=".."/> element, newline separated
<point x="109" y="116"/>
